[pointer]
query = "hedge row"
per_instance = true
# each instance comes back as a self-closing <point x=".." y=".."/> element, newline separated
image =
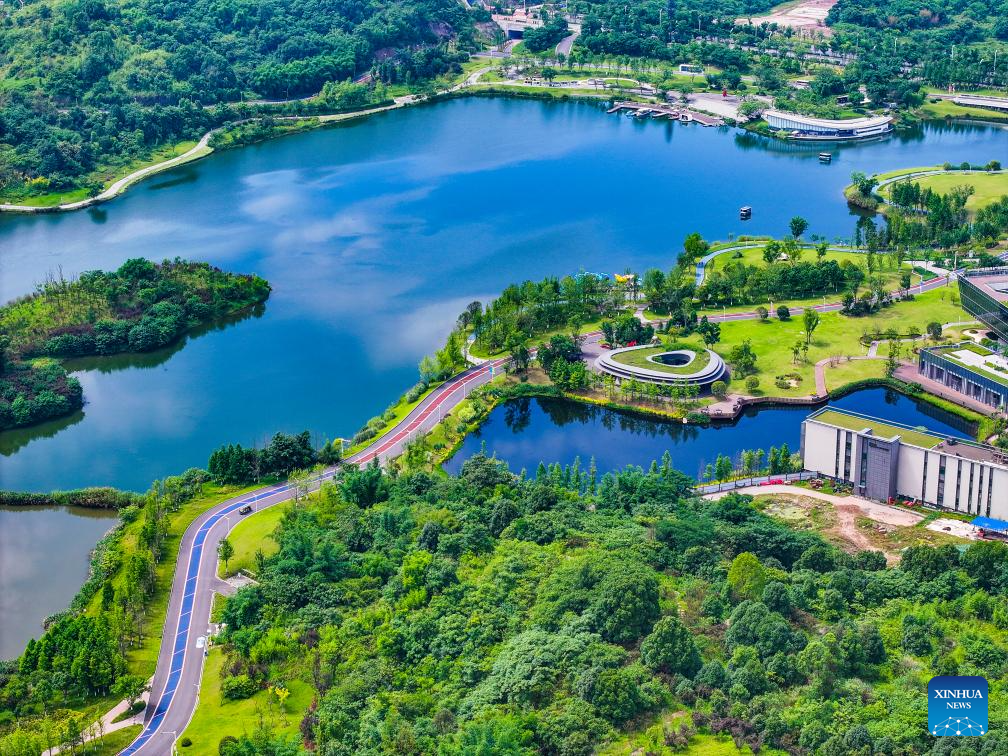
<point x="92" y="498"/>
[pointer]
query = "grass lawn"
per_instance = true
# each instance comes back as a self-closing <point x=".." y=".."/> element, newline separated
<point x="592" y="325"/>
<point x="401" y="409"/>
<point x="114" y="742"/>
<point x="880" y="429"/>
<point x="948" y="109"/>
<point x="214" y="717"/>
<point x="837" y="335"/>
<point x="754" y="256"/>
<point x="639" y="358"/>
<point x="848" y="371"/>
<point x="544" y="91"/>
<point x="700" y="744"/>
<point x="989" y="187"/>
<point x="252" y="534"/>
<point x="142" y="659"/>
<point x="905" y="171"/>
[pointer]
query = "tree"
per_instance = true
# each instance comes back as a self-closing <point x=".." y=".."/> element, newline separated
<point x="746" y="577"/>
<point x="763" y="312"/>
<point x="784" y="312"/>
<point x="743" y="358"/>
<point x="710" y="332"/>
<point x="798" y="226"/>
<point x="821" y="249"/>
<point x="934" y="330"/>
<point x="810" y="321"/>
<point x="225" y="551"/>
<point x="719" y="389"/>
<point x="752" y="384"/>
<point x="130" y="688"/>
<point x="670" y="648"/>
<point x="771" y="252"/>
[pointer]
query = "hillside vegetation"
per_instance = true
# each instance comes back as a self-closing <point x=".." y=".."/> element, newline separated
<point x="493" y="613"/>
<point x="89" y="83"/>
<point x="140" y="307"/>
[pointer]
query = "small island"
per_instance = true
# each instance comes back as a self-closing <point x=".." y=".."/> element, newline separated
<point x="140" y="307"/>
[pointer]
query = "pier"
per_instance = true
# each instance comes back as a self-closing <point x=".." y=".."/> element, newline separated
<point x="675" y="113"/>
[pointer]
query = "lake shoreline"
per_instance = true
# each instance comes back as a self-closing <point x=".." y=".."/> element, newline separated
<point x="204" y="149"/>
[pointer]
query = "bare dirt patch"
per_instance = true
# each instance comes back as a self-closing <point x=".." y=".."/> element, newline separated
<point x="807" y="15"/>
<point x="851" y="523"/>
<point x="956" y="528"/>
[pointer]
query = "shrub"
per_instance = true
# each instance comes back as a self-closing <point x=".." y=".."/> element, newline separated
<point x="185" y="742"/>
<point x="784" y="312"/>
<point x="763" y="312"/>
<point x="237" y="687"/>
<point x="719" y="389"/>
<point x="751" y="383"/>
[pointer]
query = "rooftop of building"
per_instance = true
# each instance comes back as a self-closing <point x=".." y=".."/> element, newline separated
<point x="976" y="359"/>
<point x="879" y="428"/>
<point x="920" y="437"/>
<point x="992" y="281"/>
<point x="830" y="123"/>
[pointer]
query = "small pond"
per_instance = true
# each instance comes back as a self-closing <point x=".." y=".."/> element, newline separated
<point x="525" y="432"/>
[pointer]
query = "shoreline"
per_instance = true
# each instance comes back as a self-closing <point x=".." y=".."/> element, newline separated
<point x="468" y="87"/>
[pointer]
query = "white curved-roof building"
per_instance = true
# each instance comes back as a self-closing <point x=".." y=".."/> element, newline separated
<point x="806" y="127"/>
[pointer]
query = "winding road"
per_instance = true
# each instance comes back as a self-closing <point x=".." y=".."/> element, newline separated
<point x="175" y="689"/>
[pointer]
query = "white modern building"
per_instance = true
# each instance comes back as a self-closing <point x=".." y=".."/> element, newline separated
<point x="889" y="461"/>
<point x="800" y="126"/>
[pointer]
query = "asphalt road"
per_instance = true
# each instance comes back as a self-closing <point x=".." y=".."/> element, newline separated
<point x="175" y="689"/>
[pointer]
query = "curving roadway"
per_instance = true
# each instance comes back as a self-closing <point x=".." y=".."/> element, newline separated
<point x="175" y="688"/>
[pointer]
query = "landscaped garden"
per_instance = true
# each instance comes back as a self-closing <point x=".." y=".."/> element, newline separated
<point x="648" y="358"/>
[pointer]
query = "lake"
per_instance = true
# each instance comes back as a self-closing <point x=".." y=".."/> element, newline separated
<point x="374" y="236"/>
<point x="44" y="555"/>
<point x="525" y="432"/>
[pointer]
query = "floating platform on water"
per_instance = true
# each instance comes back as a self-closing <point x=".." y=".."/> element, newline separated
<point x="642" y="110"/>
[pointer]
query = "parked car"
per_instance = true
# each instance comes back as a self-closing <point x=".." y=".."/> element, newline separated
<point x="247" y="509"/>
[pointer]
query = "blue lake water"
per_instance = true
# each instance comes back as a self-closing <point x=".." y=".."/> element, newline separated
<point x="375" y="235"/>
<point x="525" y="432"/>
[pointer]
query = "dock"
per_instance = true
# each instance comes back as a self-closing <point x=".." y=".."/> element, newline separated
<point x="673" y="112"/>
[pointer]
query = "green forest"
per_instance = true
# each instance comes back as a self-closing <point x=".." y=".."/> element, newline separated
<point x="140" y="307"/>
<point x="495" y="613"/>
<point x="89" y="83"/>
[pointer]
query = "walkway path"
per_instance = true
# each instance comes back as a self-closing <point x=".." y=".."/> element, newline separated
<point x="180" y="663"/>
<point x="201" y="149"/>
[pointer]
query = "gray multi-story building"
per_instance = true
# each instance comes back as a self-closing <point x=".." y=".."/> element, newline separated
<point x="969" y="369"/>
<point x="984" y="294"/>
<point x="888" y="461"/>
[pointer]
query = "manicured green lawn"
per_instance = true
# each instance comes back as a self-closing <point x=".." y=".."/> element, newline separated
<point x="848" y="371"/>
<point x="639" y="358"/>
<point x="214" y="717"/>
<point x="114" y="742"/>
<point x="754" y="256"/>
<point x="948" y="109"/>
<point x="989" y="187"/>
<point x="837" y="335"/>
<point x="880" y="429"/>
<point x="252" y="534"/>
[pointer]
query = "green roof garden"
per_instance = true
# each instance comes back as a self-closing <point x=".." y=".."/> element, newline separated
<point x="879" y="428"/>
<point x="976" y="359"/>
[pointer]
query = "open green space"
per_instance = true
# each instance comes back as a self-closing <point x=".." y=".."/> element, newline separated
<point x="948" y="109"/>
<point x="640" y="358"/>
<point x="836" y="336"/>
<point x="114" y="742"/>
<point x="251" y="535"/>
<point x="988" y="187"/>
<point x="754" y="256"/>
<point x="216" y="717"/>
<point x="878" y="428"/>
